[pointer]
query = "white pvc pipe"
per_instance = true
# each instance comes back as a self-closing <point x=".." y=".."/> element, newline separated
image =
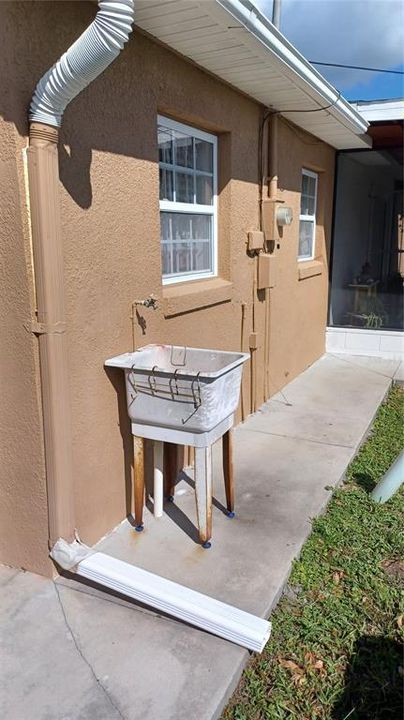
<point x="158" y="451"/>
<point x="87" y="58"/>
<point x="390" y="482"/>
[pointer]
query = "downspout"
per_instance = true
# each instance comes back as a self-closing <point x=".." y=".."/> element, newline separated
<point x="87" y="58"/>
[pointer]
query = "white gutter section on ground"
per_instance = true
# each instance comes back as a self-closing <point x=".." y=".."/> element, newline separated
<point x="189" y="606"/>
<point x="258" y="25"/>
<point x="87" y="58"/>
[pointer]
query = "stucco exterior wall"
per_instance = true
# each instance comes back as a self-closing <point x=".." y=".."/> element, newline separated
<point x="299" y="306"/>
<point x="111" y="235"/>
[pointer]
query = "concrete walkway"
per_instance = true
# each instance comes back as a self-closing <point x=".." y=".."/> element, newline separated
<point x="70" y="652"/>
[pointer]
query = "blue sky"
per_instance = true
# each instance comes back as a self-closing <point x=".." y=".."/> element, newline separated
<point x="352" y="32"/>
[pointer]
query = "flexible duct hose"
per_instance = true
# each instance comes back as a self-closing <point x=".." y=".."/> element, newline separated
<point x="87" y="58"/>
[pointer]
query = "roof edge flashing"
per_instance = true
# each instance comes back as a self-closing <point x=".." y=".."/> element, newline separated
<point x="247" y="13"/>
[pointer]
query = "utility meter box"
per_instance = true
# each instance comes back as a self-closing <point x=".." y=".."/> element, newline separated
<point x="274" y="216"/>
<point x="269" y="220"/>
<point x="267" y="267"/>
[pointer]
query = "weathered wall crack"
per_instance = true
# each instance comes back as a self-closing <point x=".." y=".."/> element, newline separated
<point x="83" y="657"/>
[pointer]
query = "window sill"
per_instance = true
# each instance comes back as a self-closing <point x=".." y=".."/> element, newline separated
<point x="191" y="296"/>
<point x="310" y="268"/>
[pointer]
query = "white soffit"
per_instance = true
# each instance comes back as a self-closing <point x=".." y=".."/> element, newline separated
<point x="235" y="42"/>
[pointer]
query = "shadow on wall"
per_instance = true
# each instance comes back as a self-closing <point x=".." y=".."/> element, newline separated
<point x="103" y="117"/>
<point x="113" y="114"/>
<point x="373" y="682"/>
<point x="74" y="173"/>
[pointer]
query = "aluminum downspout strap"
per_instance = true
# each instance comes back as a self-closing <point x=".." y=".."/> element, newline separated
<point x="87" y="58"/>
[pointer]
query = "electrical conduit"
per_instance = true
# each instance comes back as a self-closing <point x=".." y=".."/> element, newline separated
<point x="272" y="195"/>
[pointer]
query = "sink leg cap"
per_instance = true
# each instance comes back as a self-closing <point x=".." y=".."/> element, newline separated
<point x="207" y="545"/>
<point x="231" y="514"/>
<point x="139" y="528"/>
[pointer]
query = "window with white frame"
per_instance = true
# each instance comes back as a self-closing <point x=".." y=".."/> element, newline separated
<point x="307" y="225"/>
<point x="188" y="202"/>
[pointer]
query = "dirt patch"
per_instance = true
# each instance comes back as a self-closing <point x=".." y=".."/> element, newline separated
<point x="394" y="569"/>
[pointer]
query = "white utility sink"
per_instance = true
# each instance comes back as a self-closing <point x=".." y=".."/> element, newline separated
<point x="189" y="389"/>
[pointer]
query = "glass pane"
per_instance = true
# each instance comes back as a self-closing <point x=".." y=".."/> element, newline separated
<point x="307" y="205"/>
<point x="166" y="184"/>
<point x="165" y="145"/>
<point x="306" y="234"/>
<point x="203" y="155"/>
<point x="184" y="150"/>
<point x="308" y="185"/>
<point x="181" y="226"/>
<point x="201" y="255"/>
<point x="184" y="187"/>
<point x="166" y="258"/>
<point x="186" y="243"/>
<point x="182" y="257"/>
<point x="204" y="189"/>
<point x="201" y="227"/>
<point x="165" y="224"/>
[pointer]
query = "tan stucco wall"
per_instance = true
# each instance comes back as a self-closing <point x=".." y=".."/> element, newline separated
<point x="299" y="307"/>
<point x="109" y="206"/>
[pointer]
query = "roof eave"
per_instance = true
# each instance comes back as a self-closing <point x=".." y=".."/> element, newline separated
<point x="246" y="13"/>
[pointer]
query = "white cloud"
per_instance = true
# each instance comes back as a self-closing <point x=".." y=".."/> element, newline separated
<point x="353" y="32"/>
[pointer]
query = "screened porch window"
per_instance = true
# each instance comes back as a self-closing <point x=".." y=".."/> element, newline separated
<point x="188" y="203"/>
<point x="307" y="225"/>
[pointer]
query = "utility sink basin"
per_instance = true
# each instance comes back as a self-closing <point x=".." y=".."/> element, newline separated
<point x="189" y="389"/>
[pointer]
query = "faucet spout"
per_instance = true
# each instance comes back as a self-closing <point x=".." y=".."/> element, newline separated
<point x="149" y="302"/>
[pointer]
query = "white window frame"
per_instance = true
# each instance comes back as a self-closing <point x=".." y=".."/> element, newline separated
<point x="310" y="218"/>
<point x="179" y="207"/>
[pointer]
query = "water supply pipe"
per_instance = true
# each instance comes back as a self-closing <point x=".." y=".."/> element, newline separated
<point x="94" y="50"/>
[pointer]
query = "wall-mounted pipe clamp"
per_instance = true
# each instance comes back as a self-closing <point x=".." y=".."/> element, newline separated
<point x="38" y="328"/>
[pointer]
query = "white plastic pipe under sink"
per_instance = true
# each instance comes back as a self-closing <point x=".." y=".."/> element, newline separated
<point x="158" y="451"/>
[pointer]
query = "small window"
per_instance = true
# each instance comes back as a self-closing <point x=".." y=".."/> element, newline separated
<point x="307" y="226"/>
<point x="188" y="202"/>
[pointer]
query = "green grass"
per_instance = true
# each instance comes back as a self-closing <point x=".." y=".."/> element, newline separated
<point x="335" y="646"/>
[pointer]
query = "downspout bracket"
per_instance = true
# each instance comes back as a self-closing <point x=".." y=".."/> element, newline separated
<point x="38" y="328"/>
